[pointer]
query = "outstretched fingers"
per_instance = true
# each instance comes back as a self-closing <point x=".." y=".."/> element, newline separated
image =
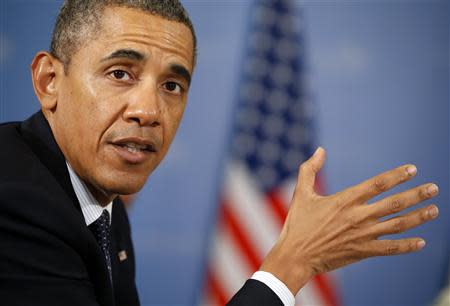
<point x="393" y="247"/>
<point x="401" y="201"/>
<point x="405" y="222"/>
<point x="380" y="183"/>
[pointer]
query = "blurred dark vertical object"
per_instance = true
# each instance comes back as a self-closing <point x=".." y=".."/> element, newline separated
<point x="273" y="133"/>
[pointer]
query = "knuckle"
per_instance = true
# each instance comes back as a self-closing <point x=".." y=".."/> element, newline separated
<point x="411" y="246"/>
<point x="354" y="248"/>
<point x="392" y="248"/>
<point x="398" y="226"/>
<point x="395" y="205"/>
<point x="424" y="215"/>
<point x="380" y="185"/>
<point x="423" y="193"/>
<point x="353" y="221"/>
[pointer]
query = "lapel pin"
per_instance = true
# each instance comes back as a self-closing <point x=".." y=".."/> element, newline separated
<point x="122" y="255"/>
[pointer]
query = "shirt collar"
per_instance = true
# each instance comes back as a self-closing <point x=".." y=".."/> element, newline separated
<point x="90" y="207"/>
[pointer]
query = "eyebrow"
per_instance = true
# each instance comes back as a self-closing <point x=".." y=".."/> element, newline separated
<point x="138" y="56"/>
<point x="181" y="71"/>
<point x="125" y="53"/>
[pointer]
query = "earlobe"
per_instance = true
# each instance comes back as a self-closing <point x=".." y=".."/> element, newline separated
<point x="46" y="72"/>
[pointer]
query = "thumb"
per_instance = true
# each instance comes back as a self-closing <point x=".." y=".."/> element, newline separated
<point x="310" y="168"/>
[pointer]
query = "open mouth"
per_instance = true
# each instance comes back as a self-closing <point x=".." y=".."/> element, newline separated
<point x="133" y="147"/>
<point x="134" y="150"/>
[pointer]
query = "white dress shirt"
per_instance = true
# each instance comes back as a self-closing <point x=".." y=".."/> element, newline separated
<point x="92" y="210"/>
<point x="277" y="286"/>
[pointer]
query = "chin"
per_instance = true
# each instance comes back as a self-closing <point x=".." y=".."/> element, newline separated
<point x="128" y="188"/>
<point x="125" y="186"/>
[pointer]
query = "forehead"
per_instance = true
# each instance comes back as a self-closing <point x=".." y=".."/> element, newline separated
<point x="128" y="28"/>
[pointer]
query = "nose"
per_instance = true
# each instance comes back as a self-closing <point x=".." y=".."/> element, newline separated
<point x="144" y="107"/>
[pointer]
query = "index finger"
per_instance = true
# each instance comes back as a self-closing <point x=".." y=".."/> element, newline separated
<point x="381" y="183"/>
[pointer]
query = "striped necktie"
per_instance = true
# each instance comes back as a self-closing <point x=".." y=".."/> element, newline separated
<point x="101" y="230"/>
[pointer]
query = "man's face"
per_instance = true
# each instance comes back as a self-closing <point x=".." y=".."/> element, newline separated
<point x="123" y="97"/>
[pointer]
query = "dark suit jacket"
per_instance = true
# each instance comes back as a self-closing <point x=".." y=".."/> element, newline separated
<point x="48" y="256"/>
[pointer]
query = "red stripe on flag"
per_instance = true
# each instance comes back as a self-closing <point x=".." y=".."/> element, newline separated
<point x="323" y="284"/>
<point x="277" y="206"/>
<point x="214" y="288"/>
<point x="238" y="235"/>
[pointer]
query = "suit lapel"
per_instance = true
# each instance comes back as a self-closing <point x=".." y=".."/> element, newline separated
<point x="37" y="133"/>
<point x="39" y="136"/>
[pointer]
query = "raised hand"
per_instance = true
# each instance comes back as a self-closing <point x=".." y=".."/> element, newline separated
<point x="323" y="233"/>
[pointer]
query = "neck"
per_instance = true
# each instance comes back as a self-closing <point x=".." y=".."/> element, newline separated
<point x="102" y="197"/>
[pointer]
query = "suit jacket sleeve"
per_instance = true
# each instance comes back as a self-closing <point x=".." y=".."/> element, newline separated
<point x="255" y="293"/>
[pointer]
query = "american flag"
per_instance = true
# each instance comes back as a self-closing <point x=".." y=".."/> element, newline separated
<point x="272" y="135"/>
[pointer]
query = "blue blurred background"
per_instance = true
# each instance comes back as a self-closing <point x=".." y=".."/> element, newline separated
<point x="379" y="72"/>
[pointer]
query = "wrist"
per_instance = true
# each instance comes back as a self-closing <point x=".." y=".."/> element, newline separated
<point x="293" y="271"/>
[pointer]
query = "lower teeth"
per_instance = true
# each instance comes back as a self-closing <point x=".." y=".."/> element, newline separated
<point x="133" y="150"/>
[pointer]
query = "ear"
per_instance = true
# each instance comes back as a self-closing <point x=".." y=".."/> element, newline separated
<point x="46" y="73"/>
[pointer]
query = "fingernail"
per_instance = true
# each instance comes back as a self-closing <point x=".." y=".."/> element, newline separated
<point x="434" y="211"/>
<point x="317" y="150"/>
<point x="432" y="189"/>
<point x="412" y="170"/>
<point x="421" y="244"/>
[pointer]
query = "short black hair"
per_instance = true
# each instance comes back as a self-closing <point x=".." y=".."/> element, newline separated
<point x="78" y="20"/>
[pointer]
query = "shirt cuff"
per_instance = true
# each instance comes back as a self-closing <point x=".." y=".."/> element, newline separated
<point x="277" y="286"/>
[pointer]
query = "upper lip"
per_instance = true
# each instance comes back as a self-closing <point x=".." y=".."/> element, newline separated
<point x="149" y="145"/>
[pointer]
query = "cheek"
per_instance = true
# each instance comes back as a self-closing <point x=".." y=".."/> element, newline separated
<point x="97" y="109"/>
<point x="173" y="122"/>
<point x="80" y="104"/>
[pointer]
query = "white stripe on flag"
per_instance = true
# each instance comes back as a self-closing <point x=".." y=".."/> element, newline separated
<point x="250" y="207"/>
<point x="286" y="192"/>
<point x="308" y="296"/>
<point x="227" y="264"/>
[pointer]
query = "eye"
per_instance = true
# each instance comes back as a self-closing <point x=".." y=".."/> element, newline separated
<point x="120" y="75"/>
<point x="172" y="87"/>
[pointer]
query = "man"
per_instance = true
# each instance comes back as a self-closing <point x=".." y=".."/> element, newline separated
<point x="112" y="92"/>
